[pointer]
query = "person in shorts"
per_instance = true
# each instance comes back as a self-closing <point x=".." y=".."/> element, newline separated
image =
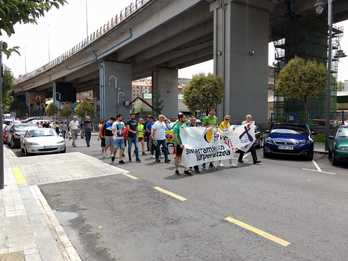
<point x="181" y="123"/>
<point x="108" y="135"/>
<point x="101" y="136"/>
<point x="118" y="128"/>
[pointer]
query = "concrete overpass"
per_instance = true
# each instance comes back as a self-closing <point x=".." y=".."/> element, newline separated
<point x="158" y="37"/>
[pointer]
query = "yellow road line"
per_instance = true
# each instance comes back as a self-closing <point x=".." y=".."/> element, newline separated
<point x="171" y="194"/>
<point x="258" y="231"/>
<point x="17" y="173"/>
<point x="129" y="176"/>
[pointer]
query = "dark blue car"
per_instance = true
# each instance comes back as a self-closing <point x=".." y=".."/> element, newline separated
<point x="289" y="139"/>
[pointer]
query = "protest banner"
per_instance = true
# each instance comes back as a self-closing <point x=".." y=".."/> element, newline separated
<point x="204" y="145"/>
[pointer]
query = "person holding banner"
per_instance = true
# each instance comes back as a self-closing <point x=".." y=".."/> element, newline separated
<point x="224" y="129"/>
<point x="181" y="123"/>
<point x="248" y="122"/>
<point x="210" y="121"/>
<point x="158" y="134"/>
<point x="193" y="123"/>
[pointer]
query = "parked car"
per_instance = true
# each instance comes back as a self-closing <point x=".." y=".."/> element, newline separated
<point x="16" y="131"/>
<point x="42" y="141"/>
<point x="289" y="139"/>
<point x="338" y="145"/>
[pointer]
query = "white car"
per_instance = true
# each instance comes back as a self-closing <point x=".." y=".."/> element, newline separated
<point x="42" y="141"/>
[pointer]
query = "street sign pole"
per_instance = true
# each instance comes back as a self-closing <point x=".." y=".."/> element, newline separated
<point x="1" y="115"/>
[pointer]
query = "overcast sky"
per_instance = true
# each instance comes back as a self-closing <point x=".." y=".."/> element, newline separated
<point x="61" y="29"/>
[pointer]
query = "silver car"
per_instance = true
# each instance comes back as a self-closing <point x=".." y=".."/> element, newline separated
<point x="42" y="141"/>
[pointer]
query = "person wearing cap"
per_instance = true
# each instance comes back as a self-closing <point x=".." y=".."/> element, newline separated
<point x="223" y="129"/>
<point x="74" y="128"/>
<point x="179" y="146"/>
<point x="132" y="138"/>
<point x="158" y="135"/>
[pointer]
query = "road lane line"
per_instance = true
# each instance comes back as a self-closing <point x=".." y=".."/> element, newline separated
<point x="129" y="176"/>
<point x="171" y="194"/>
<point x="316" y="166"/>
<point x="17" y="173"/>
<point x="258" y="231"/>
<point x="323" y="172"/>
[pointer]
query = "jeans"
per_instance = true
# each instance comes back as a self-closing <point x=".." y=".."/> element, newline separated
<point x="88" y="135"/>
<point x="162" y="143"/>
<point x="133" y="140"/>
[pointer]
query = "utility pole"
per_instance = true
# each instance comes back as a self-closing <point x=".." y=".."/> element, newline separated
<point x="328" y="84"/>
<point x="1" y="115"/>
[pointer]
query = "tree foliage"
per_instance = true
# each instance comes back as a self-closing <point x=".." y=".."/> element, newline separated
<point x="8" y="81"/>
<point x="85" y="108"/>
<point x="51" y="109"/>
<point x="66" y="111"/>
<point x="300" y="80"/>
<point x="203" y="92"/>
<point x="19" y="11"/>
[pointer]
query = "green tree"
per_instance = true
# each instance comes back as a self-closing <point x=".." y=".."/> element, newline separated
<point x="13" y="12"/>
<point x="340" y="86"/>
<point x="66" y="111"/>
<point x="300" y="80"/>
<point x="7" y="90"/>
<point x="51" y="109"/>
<point x="85" y="108"/>
<point x="203" y="92"/>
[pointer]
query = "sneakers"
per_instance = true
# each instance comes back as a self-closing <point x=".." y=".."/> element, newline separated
<point x="113" y="158"/>
<point x="240" y="161"/>
<point x="177" y="172"/>
<point x="121" y="162"/>
<point x="138" y="161"/>
<point x="167" y="161"/>
<point x="257" y="162"/>
<point x="187" y="172"/>
<point x="196" y="168"/>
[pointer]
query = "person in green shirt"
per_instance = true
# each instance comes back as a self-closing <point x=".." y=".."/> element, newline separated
<point x="181" y="123"/>
<point x="210" y="121"/>
<point x="141" y="134"/>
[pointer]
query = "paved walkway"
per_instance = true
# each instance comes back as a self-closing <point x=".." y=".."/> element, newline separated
<point x="29" y="229"/>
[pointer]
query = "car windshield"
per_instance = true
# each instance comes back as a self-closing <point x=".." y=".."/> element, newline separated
<point x="342" y="132"/>
<point x="42" y="133"/>
<point x="288" y="131"/>
<point x="21" y="127"/>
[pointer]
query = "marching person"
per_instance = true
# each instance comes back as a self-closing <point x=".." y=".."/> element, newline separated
<point x="132" y="138"/>
<point x="148" y="125"/>
<point x="193" y="123"/>
<point x="108" y="135"/>
<point x="141" y="134"/>
<point x="74" y="128"/>
<point x="223" y="129"/>
<point x="118" y="128"/>
<point x="181" y="123"/>
<point x="101" y="136"/>
<point x="210" y="121"/>
<point x="87" y="125"/>
<point x="158" y="135"/>
<point x="248" y="122"/>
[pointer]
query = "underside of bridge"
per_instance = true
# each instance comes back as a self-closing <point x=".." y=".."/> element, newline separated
<point x="235" y="33"/>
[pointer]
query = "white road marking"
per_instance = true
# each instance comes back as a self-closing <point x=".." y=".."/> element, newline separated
<point x="317" y="166"/>
<point x="323" y="172"/>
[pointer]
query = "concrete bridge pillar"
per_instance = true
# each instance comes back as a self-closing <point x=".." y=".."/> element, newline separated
<point x="115" y="85"/>
<point x="54" y="92"/>
<point x="165" y="91"/>
<point x="241" y="36"/>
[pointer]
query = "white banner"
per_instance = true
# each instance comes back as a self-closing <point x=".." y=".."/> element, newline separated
<point x="204" y="145"/>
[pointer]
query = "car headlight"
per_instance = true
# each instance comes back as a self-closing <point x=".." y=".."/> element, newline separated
<point x="303" y="142"/>
<point x="61" y="142"/>
<point x="269" y="140"/>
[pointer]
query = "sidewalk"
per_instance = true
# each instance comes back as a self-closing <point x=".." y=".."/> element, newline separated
<point x="29" y="230"/>
<point x="319" y="148"/>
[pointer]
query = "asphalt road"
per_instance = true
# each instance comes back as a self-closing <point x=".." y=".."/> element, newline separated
<point x="284" y="209"/>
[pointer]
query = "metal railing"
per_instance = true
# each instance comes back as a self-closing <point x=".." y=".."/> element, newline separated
<point x="111" y="24"/>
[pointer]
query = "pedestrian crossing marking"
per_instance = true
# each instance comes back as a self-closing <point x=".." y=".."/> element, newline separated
<point x="17" y="173"/>
<point x="258" y="231"/>
<point x="171" y="194"/>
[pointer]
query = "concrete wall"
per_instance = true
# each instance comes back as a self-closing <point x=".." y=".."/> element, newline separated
<point x="165" y="89"/>
<point x="115" y="89"/>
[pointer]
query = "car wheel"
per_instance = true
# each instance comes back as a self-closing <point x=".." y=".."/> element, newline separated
<point x="310" y="155"/>
<point x="266" y="155"/>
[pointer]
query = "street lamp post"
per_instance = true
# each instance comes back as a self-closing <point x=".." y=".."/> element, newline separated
<point x="1" y="137"/>
<point x="328" y="87"/>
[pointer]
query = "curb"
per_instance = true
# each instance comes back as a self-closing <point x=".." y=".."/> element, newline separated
<point x="321" y="152"/>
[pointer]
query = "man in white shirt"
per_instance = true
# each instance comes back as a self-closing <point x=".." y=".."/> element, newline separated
<point x="118" y="128"/>
<point x="159" y="138"/>
<point x="74" y="126"/>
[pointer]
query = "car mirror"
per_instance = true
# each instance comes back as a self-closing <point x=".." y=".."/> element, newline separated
<point x="313" y="133"/>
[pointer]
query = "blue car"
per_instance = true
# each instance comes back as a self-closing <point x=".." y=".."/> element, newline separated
<point x="289" y="139"/>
